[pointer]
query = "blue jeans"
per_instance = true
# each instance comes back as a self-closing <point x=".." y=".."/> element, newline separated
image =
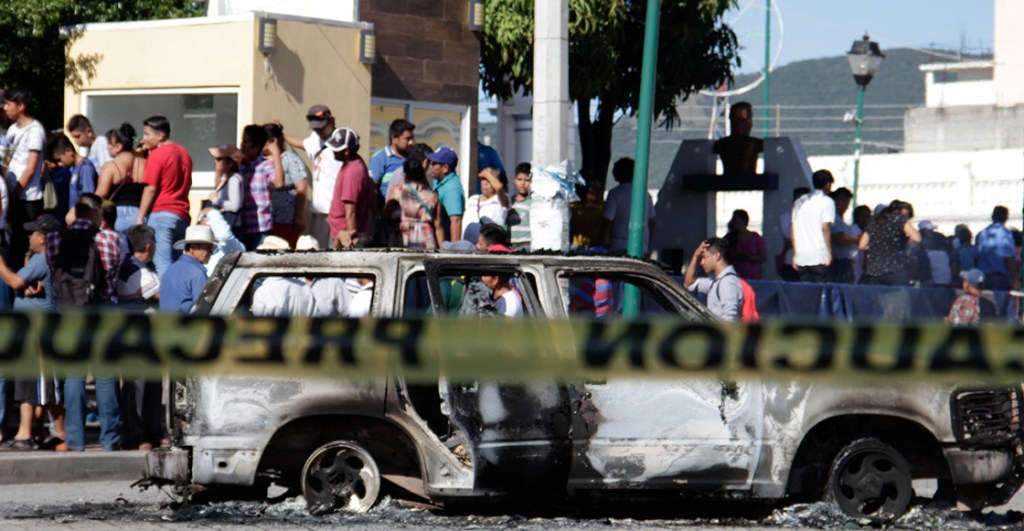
<point x="110" y="412"/>
<point x="126" y="217"/>
<point x="169" y="229"/>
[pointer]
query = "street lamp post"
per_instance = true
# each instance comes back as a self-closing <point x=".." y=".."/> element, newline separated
<point x="865" y="57"/>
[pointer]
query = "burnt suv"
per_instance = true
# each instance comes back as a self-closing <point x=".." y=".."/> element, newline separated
<point x="342" y="442"/>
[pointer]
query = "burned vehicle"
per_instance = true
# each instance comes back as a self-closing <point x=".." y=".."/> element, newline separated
<point x="342" y="442"/>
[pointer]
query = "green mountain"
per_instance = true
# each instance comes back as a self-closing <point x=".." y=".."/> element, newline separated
<point x="808" y="101"/>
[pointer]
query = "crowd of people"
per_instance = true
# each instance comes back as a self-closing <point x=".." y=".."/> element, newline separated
<point x="106" y="219"/>
<point x="883" y="246"/>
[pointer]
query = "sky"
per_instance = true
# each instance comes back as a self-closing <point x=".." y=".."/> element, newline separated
<point x="823" y="28"/>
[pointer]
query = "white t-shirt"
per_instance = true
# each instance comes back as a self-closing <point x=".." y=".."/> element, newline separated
<point x="479" y="212"/>
<point x="325" y="173"/>
<point x="844" y="252"/>
<point x="136" y="282"/>
<point x="282" y="297"/>
<point x="5" y="202"/>
<point x="98" y="153"/>
<point x="616" y="210"/>
<point x="22" y="141"/>
<point x="510" y="304"/>
<point x="361" y="301"/>
<point x="330" y="297"/>
<point x="810" y="212"/>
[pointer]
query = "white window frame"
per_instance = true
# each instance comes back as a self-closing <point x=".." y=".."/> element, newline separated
<point x="465" y="129"/>
<point x="201" y="180"/>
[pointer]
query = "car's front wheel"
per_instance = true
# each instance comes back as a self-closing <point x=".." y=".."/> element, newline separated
<point x="870" y="480"/>
<point x="340" y="475"/>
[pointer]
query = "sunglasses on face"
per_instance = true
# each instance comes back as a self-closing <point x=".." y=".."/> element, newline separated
<point x="221" y="159"/>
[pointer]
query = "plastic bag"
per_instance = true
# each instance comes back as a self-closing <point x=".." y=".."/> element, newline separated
<point x="552" y="188"/>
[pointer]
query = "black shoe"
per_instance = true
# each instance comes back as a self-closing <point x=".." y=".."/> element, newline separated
<point x="51" y="443"/>
<point x="17" y="445"/>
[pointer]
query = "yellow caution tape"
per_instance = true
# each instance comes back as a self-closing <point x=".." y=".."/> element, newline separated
<point x="506" y="349"/>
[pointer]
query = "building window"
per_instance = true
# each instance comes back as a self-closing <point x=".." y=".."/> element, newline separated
<point x="436" y="125"/>
<point x="199" y="120"/>
<point x="438" y="128"/>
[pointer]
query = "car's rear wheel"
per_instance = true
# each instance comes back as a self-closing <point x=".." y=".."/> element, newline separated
<point x="340" y="475"/>
<point x="870" y="480"/>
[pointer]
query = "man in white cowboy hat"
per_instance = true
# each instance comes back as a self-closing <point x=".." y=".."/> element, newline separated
<point x="184" y="280"/>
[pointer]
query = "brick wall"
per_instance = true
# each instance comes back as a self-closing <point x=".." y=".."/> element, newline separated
<point x="425" y="50"/>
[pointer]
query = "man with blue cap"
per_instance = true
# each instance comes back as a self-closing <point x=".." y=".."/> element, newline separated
<point x="441" y="168"/>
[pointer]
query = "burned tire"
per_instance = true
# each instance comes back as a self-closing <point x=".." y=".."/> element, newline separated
<point x="870" y="480"/>
<point x="340" y="475"/>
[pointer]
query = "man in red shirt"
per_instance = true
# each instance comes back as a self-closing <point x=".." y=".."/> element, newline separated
<point x="354" y="205"/>
<point x="168" y="180"/>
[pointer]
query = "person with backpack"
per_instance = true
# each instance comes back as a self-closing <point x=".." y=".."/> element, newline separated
<point x="723" y="287"/>
<point x="84" y="260"/>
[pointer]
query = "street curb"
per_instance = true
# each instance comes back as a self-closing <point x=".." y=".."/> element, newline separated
<point x="70" y="467"/>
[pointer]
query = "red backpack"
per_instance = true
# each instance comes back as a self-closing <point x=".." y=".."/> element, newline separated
<point x="748" y="312"/>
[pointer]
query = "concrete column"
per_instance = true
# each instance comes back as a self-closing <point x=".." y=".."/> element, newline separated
<point x="550" y="81"/>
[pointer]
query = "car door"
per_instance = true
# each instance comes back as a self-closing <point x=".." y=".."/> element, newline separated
<point x="627" y="433"/>
<point x="515" y="435"/>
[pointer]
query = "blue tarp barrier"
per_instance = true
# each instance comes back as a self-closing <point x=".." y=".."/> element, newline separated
<point x="851" y="302"/>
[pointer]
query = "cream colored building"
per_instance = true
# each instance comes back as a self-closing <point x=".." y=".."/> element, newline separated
<point x="209" y="78"/>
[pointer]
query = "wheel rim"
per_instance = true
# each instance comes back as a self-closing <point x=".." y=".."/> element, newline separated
<point x="873" y="484"/>
<point x="340" y="475"/>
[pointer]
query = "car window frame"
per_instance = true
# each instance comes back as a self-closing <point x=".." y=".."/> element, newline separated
<point x="434" y="268"/>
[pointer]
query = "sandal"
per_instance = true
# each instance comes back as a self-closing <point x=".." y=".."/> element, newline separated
<point x="18" y="445"/>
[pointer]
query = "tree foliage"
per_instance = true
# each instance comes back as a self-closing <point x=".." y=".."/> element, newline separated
<point x="33" y="50"/>
<point x="696" y="50"/>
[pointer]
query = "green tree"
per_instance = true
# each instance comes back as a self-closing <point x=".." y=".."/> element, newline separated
<point x="33" y="50"/>
<point x="696" y="50"/>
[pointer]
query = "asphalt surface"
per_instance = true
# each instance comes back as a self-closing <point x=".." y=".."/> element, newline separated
<point x="115" y="505"/>
<point x="92" y="489"/>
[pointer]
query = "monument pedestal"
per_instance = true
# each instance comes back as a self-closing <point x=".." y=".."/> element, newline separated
<point x="687" y="202"/>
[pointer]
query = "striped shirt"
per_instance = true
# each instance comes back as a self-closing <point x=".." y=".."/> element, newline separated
<point x="257" y="210"/>
<point x="518" y="220"/>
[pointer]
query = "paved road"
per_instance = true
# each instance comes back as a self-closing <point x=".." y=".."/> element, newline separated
<point x="114" y="505"/>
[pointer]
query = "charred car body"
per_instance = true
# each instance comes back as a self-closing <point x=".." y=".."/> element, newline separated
<point x="341" y="441"/>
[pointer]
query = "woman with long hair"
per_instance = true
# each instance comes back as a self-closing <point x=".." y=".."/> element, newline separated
<point x="120" y="179"/>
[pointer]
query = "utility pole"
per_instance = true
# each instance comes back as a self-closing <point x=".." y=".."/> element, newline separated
<point x="550" y="82"/>
<point x="857" y="144"/>
<point x="645" y="118"/>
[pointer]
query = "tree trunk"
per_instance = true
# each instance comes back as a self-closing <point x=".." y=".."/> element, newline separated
<point x="595" y="141"/>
